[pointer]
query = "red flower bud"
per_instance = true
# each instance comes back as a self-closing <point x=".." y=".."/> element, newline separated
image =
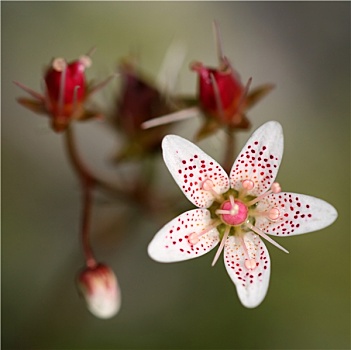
<point x="221" y="94"/>
<point x="139" y="101"/>
<point x="220" y="91"/>
<point x="65" y="93"/>
<point x="65" y="89"/>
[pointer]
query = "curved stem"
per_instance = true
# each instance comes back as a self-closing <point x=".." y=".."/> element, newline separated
<point x="87" y="181"/>
<point x="84" y="173"/>
<point x="86" y="216"/>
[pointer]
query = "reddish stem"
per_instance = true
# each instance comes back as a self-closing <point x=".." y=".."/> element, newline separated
<point x="87" y="181"/>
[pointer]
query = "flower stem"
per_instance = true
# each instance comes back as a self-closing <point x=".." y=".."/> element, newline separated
<point x="87" y="182"/>
<point x="86" y="217"/>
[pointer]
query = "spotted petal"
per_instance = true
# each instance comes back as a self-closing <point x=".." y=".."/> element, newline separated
<point x="260" y="159"/>
<point x="191" y="167"/>
<point x="251" y="284"/>
<point x="298" y="214"/>
<point x="171" y="243"/>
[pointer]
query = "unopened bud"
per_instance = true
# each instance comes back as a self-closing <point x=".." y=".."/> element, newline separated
<point x="99" y="287"/>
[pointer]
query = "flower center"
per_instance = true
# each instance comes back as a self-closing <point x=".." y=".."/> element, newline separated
<point x="233" y="212"/>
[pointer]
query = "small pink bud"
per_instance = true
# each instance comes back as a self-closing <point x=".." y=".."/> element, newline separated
<point x="99" y="287"/>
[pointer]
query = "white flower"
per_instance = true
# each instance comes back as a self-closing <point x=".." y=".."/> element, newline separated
<point x="236" y="211"/>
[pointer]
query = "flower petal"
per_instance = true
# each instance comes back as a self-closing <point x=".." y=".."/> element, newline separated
<point x="191" y="167"/>
<point x="298" y="214"/>
<point x="171" y="243"/>
<point x="251" y="284"/>
<point x="259" y="160"/>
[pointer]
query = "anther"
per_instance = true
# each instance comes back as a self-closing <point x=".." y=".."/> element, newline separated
<point x="85" y="61"/>
<point x="59" y="64"/>
<point x="250" y="264"/>
<point x="275" y="188"/>
<point x="274" y="214"/>
<point x="248" y="184"/>
<point x="208" y="185"/>
<point x="193" y="238"/>
<point x="196" y="66"/>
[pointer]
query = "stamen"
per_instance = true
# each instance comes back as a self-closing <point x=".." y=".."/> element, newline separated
<point x="248" y="184"/>
<point x="59" y="64"/>
<point x="196" y="66"/>
<point x="171" y="118"/>
<point x="275" y="188"/>
<point x="250" y="264"/>
<point x="194" y="237"/>
<point x="262" y="234"/>
<point x="85" y="61"/>
<point x="61" y="99"/>
<point x="207" y="185"/>
<point x="225" y="236"/>
<point x="217" y="97"/>
<point x="274" y="214"/>
<point x="235" y="207"/>
<point x="223" y="211"/>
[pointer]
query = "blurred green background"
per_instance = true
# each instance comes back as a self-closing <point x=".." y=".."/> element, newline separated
<point x="302" y="47"/>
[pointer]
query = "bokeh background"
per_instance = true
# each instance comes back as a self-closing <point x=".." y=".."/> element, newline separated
<point x="302" y="47"/>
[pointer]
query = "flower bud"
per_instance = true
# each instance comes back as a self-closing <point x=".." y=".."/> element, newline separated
<point x="99" y="287"/>
<point x="139" y="101"/>
<point x="221" y="93"/>
<point x="65" y="90"/>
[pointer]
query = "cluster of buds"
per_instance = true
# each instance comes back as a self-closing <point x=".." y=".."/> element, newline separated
<point x="222" y="98"/>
